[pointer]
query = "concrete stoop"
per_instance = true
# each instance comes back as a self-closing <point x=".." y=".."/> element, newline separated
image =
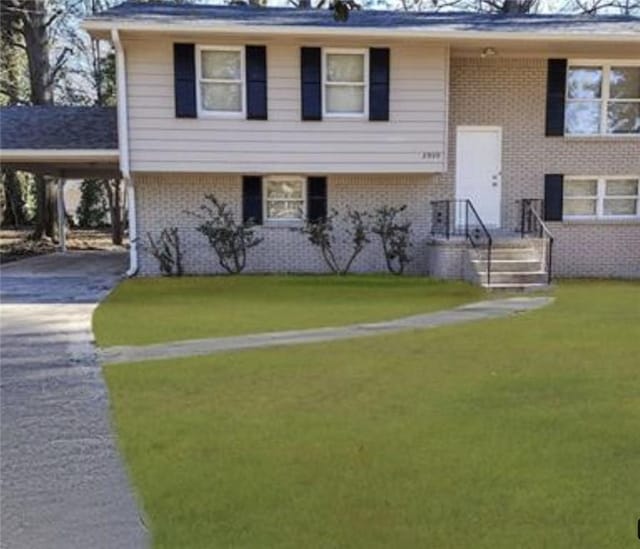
<point x="516" y="264"/>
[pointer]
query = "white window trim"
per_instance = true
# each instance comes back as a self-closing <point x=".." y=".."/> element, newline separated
<point x="365" y="85"/>
<point x="604" y="100"/>
<point x="204" y="113"/>
<point x="600" y="196"/>
<point x="285" y="220"/>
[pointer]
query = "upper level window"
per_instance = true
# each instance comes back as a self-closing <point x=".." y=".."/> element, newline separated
<point x="220" y="80"/>
<point x="284" y="198"/>
<point x="603" y="99"/>
<point x="598" y="197"/>
<point x="345" y="82"/>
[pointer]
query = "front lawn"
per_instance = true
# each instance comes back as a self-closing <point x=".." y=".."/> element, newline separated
<point x="154" y="310"/>
<point x="519" y="432"/>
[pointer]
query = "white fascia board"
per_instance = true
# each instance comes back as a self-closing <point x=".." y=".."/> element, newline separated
<point x="205" y="26"/>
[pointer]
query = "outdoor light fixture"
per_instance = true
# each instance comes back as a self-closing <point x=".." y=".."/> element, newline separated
<point x="487" y="52"/>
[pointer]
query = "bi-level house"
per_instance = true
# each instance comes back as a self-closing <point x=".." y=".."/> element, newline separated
<point x="514" y="141"/>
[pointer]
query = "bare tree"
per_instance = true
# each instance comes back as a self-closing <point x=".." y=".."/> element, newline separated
<point x="508" y="7"/>
<point x="30" y="27"/>
<point x="433" y="5"/>
<point x="41" y="34"/>
<point x="599" y="7"/>
<point x="99" y="71"/>
<point x="341" y="8"/>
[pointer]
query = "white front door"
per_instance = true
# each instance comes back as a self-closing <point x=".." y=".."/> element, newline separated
<point x="479" y="170"/>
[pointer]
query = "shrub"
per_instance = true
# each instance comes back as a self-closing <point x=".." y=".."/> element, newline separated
<point x="229" y="239"/>
<point x="92" y="209"/>
<point x="394" y="235"/>
<point x="166" y="249"/>
<point x="322" y="233"/>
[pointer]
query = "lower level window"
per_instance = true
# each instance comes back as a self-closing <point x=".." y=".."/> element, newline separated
<point x="284" y="198"/>
<point x="601" y="197"/>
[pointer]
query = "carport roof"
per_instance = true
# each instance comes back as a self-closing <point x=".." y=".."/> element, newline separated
<point x="52" y="127"/>
<point x="60" y="140"/>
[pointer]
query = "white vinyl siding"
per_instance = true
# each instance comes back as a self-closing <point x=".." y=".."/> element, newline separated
<point x="413" y="141"/>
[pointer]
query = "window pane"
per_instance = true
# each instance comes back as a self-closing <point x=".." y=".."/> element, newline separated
<point x="584" y="83"/>
<point x="580" y="187"/>
<point x="619" y="206"/>
<point x="625" y="83"/>
<point x="284" y="189"/>
<point x="345" y="99"/>
<point x="579" y="206"/>
<point x="221" y="64"/>
<point x="345" y="67"/>
<point x="221" y="97"/>
<point x="285" y="209"/>
<point x="623" y="117"/>
<point x="622" y="187"/>
<point x="583" y="117"/>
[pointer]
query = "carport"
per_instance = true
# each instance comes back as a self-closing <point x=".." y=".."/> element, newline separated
<point x="62" y="142"/>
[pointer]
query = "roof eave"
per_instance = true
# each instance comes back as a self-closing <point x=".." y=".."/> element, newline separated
<point x="51" y="153"/>
<point x="100" y="28"/>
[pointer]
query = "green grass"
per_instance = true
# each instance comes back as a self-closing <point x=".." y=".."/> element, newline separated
<point x="143" y="311"/>
<point x="511" y="433"/>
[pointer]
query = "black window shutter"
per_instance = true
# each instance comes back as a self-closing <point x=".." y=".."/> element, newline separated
<point x="379" y="84"/>
<point x="252" y="199"/>
<point x="184" y="78"/>
<point x="316" y="198"/>
<point x="553" y="195"/>
<point x="256" y="69"/>
<point x="556" y="88"/>
<point x="311" y="83"/>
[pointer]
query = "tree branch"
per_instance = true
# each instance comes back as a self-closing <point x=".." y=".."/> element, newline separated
<point x="58" y="64"/>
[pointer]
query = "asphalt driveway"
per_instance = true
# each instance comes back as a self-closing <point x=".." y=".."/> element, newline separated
<point x="62" y="482"/>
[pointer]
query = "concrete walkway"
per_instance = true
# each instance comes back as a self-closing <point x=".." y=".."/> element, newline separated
<point x="63" y="485"/>
<point x="467" y="313"/>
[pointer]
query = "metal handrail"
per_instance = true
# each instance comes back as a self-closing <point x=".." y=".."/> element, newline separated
<point x="443" y="224"/>
<point x="534" y="225"/>
<point x="487" y="234"/>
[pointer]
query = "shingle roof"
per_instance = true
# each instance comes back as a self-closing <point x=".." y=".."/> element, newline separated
<point x="52" y="127"/>
<point x="172" y="13"/>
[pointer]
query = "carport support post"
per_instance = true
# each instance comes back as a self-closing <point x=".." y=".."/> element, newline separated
<point x="61" y="216"/>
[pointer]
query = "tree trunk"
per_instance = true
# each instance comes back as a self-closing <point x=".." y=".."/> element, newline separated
<point x="36" y="39"/>
<point x="13" y="214"/>
<point x="51" y="229"/>
<point x="116" y="215"/>
<point x="114" y="198"/>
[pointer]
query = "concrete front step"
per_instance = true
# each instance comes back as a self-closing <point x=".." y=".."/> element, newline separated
<point x="514" y="277"/>
<point x="513" y="242"/>
<point x="515" y="287"/>
<point x="515" y="264"/>
<point x="514" y="254"/>
<point x="507" y="265"/>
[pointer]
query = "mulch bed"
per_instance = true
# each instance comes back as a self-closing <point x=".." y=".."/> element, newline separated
<point x="15" y="243"/>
